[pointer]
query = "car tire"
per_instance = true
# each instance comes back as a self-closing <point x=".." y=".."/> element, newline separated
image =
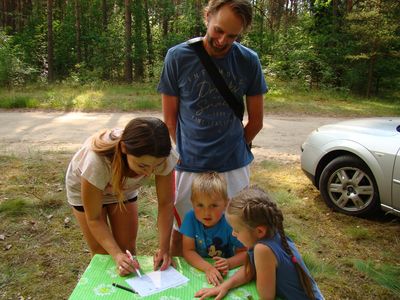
<point x="348" y="186"/>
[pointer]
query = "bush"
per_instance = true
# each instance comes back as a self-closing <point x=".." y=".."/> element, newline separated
<point x="13" y="71"/>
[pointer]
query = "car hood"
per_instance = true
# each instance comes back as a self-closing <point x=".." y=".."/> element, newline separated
<point x="369" y="126"/>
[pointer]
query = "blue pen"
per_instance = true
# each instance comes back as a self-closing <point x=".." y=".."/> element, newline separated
<point x="133" y="258"/>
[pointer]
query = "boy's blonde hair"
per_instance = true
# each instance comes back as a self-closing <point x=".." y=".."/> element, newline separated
<point x="209" y="183"/>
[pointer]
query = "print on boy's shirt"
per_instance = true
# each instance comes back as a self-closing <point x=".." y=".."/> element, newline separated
<point x="214" y="247"/>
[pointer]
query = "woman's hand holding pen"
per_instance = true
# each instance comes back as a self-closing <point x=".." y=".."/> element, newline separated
<point x="125" y="264"/>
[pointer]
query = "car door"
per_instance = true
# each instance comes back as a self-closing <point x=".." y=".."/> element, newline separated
<point x="396" y="182"/>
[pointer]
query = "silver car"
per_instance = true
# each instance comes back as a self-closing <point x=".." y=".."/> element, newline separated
<point x="355" y="164"/>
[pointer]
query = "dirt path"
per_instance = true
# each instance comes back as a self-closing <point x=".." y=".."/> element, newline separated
<point x="280" y="138"/>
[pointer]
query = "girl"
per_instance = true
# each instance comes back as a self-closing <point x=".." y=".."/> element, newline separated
<point x="102" y="184"/>
<point x="274" y="261"/>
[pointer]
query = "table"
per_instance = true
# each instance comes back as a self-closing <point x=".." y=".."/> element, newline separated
<point x="96" y="282"/>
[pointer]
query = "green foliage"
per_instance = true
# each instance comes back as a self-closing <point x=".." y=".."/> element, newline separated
<point x="15" y="207"/>
<point x="385" y="275"/>
<point x="319" y="44"/>
<point x="13" y="71"/>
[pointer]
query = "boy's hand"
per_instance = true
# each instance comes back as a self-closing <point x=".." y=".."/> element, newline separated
<point x="221" y="264"/>
<point x="214" y="277"/>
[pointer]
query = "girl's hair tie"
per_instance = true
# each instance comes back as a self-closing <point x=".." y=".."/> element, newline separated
<point x="294" y="259"/>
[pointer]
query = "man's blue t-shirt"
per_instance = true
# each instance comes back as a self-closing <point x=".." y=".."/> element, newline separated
<point x="214" y="241"/>
<point x="288" y="284"/>
<point x="209" y="135"/>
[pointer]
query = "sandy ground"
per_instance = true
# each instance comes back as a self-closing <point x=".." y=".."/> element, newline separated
<point x="280" y="138"/>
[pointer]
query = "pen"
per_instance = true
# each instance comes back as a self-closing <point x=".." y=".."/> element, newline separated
<point x="133" y="258"/>
<point x="124" y="288"/>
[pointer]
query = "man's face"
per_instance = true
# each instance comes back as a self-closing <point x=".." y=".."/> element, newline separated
<point x="223" y="28"/>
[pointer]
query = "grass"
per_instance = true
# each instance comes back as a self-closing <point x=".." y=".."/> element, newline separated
<point x="42" y="248"/>
<point x="283" y="98"/>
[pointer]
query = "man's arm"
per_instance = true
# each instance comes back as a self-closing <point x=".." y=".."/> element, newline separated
<point x="170" y="106"/>
<point x="255" y="111"/>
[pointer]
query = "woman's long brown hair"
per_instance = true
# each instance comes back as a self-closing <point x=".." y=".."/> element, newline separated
<point x="141" y="136"/>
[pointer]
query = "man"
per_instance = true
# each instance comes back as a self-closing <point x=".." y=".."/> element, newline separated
<point x="208" y="135"/>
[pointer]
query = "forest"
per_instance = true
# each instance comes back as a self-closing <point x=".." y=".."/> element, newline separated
<point x="351" y="45"/>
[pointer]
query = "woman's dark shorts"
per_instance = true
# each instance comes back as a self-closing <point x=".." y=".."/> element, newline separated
<point x="80" y="208"/>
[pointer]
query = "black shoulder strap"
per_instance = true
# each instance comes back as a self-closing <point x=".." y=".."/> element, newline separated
<point x="235" y="104"/>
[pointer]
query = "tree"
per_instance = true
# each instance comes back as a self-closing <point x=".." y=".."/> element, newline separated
<point x="128" y="42"/>
<point x="78" y="30"/>
<point x="374" y="29"/>
<point x="50" y="50"/>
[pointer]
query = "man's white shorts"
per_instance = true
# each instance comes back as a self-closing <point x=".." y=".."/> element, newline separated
<point x="237" y="180"/>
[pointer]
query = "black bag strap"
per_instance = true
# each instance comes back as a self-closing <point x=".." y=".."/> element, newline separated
<point x="234" y="103"/>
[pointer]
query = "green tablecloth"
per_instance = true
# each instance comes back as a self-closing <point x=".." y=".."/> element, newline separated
<point x="96" y="282"/>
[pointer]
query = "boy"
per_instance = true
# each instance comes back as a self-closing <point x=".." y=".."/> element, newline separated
<point x="206" y="233"/>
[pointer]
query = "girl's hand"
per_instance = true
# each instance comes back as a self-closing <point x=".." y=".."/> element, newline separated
<point x="161" y="260"/>
<point x="221" y="264"/>
<point x="125" y="265"/>
<point x="213" y="276"/>
<point x="218" y="291"/>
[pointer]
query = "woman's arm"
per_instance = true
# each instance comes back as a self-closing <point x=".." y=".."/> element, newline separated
<point x="265" y="262"/>
<point x="92" y="198"/>
<point x="214" y="277"/>
<point x="165" y="196"/>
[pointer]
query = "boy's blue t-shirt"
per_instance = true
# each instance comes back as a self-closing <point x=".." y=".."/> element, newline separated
<point x="214" y="241"/>
<point x="288" y="284"/>
<point x="209" y="136"/>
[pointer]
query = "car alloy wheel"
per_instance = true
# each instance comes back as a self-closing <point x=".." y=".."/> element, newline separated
<point x="348" y="186"/>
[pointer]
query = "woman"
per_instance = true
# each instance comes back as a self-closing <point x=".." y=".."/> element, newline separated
<point x="102" y="184"/>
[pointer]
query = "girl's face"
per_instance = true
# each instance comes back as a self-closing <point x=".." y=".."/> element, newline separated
<point x="209" y="209"/>
<point x="246" y="235"/>
<point x="145" y="164"/>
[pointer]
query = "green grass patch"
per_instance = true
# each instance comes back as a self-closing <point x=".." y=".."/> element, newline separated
<point x="34" y="210"/>
<point x="385" y="275"/>
<point x="283" y="98"/>
<point x="358" y="233"/>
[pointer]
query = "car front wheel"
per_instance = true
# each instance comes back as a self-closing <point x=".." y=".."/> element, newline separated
<point x="348" y="186"/>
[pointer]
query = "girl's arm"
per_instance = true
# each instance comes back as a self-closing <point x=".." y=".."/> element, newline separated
<point x="165" y="196"/>
<point x="266" y="264"/>
<point x="238" y="259"/>
<point x="92" y="198"/>
<point x="238" y="279"/>
<point x="214" y="277"/>
<point x="225" y="264"/>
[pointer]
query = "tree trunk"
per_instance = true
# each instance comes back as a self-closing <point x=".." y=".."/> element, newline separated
<point x="138" y="55"/>
<point x="371" y="66"/>
<point x="50" y="75"/>
<point x="78" y="31"/>
<point x="104" y="10"/>
<point x="128" y="42"/>
<point x="349" y="5"/>
<point x="149" y="40"/>
<point x="3" y="13"/>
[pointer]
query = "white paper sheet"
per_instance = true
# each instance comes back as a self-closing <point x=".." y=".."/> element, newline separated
<point x="157" y="281"/>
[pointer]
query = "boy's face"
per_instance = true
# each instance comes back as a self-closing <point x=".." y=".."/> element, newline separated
<point x="209" y="209"/>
